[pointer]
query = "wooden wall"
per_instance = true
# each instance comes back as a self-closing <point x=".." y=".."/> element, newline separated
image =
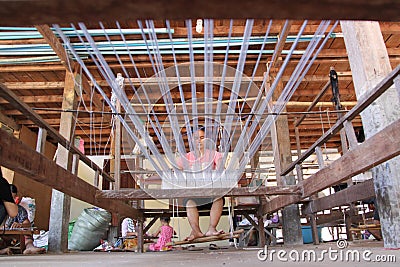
<point x="30" y="188"/>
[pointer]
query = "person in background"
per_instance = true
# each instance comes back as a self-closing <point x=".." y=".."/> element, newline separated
<point x="210" y="159"/>
<point x="22" y="221"/>
<point x="7" y="207"/>
<point x="165" y="234"/>
<point x="128" y="227"/>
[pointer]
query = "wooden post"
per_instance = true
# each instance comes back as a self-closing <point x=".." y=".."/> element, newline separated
<point x="140" y="235"/>
<point x="117" y="150"/>
<point x="314" y="228"/>
<point x="299" y="172"/>
<point x="60" y="202"/>
<point x="261" y="233"/>
<point x="282" y="159"/>
<point x="296" y="131"/>
<point x="96" y="179"/>
<point x="369" y="63"/>
<point x="41" y="140"/>
<point x="320" y="157"/>
<point x="351" y="135"/>
<point x="75" y="163"/>
<point x="397" y="84"/>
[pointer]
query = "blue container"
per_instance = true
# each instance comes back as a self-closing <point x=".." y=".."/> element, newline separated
<point x="307" y="234"/>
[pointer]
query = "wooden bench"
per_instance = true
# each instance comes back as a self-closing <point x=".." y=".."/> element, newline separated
<point x="373" y="229"/>
<point x="20" y="233"/>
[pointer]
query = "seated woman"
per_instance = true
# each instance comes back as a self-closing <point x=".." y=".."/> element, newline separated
<point x="7" y="207"/>
<point x="128" y="227"/>
<point x="22" y="221"/>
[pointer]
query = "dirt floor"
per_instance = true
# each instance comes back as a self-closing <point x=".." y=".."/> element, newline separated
<point x="369" y="252"/>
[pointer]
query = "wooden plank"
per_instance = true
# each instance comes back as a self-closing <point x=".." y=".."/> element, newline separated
<point x="131" y="194"/>
<point x="53" y="133"/>
<point x="282" y="36"/>
<point x="314" y="102"/>
<point x="368" y="98"/>
<point x="152" y="81"/>
<point x="280" y="202"/>
<point x="375" y="150"/>
<point x="364" y="157"/>
<point x="34" y="85"/>
<point x="236" y="234"/>
<point x="19" y="157"/>
<point x="351" y="194"/>
<point x="60" y="206"/>
<point x="32" y="99"/>
<point x="4" y="119"/>
<point x="58" y="11"/>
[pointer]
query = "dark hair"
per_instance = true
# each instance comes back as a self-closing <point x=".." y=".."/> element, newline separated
<point x="198" y="128"/>
<point x="165" y="219"/>
<point x="13" y="189"/>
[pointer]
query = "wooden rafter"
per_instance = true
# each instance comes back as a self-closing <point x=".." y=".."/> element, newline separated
<point x="49" y="11"/>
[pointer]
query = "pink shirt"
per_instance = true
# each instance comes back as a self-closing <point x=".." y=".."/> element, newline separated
<point x="209" y="158"/>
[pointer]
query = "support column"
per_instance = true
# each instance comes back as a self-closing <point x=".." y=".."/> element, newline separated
<point x="282" y="159"/>
<point x="369" y="62"/>
<point x="60" y="202"/>
<point x="115" y="164"/>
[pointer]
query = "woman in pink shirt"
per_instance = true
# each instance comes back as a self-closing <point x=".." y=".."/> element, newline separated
<point x="202" y="159"/>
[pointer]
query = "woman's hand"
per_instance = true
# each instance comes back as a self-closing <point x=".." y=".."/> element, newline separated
<point x="16" y="225"/>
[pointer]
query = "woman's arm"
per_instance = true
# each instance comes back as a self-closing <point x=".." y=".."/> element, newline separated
<point x="158" y="232"/>
<point x="11" y="208"/>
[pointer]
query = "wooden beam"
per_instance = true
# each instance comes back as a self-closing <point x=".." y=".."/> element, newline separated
<point x="280" y="202"/>
<point x="60" y="206"/>
<point x="19" y="157"/>
<point x="34" y="85"/>
<point x="314" y="103"/>
<point x="282" y="36"/>
<point x="367" y="99"/>
<point x="364" y="157"/>
<point x="58" y="11"/>
<point x="9" y="122"/>
<point x="346" y="196"/>
<point x="45" y="99"/>
<point x="152" y="81"/>
<point x="132" y="194"/>
<point x="53" y="133"/>
<point x="377" y="149"/>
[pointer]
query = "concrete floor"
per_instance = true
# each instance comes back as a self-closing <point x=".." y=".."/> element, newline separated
<point x="206" y="257"/>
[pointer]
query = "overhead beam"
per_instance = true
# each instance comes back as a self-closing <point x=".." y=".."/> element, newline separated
<point x="132" y="194"/>
<point x="152" y="81"/>
<point x="19" y="157"/>
<point x="44" y="99"/>
<point x="58" y="11"/>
